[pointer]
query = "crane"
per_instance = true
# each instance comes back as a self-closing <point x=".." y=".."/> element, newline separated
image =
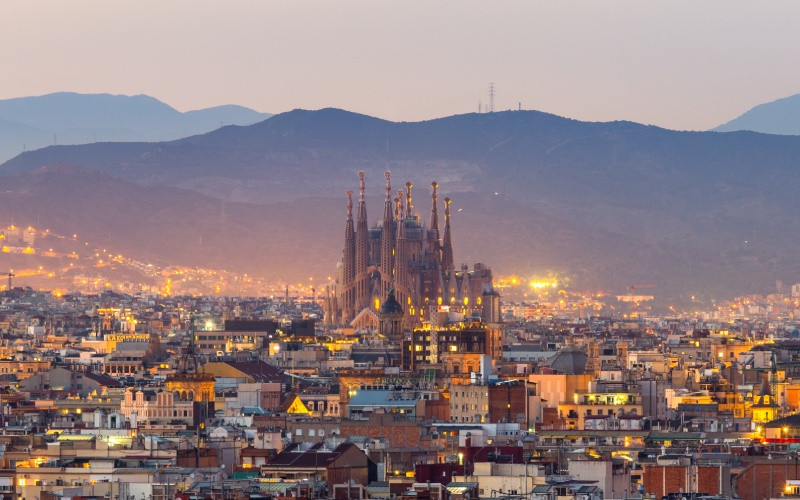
<point x="10" y="275"/>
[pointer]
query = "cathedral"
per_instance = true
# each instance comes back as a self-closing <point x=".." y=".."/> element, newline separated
<point x="413" y="260"/>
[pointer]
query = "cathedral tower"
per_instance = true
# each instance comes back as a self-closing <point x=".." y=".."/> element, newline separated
<point x="401" y="258"/>
<point x="349" y="265"/>
<point x="435" y="215"/>
<point x="362" y="250"/>
<point x="447" y="241"/>
<point x="403" y="253"/>
<point x="387" y="238"/>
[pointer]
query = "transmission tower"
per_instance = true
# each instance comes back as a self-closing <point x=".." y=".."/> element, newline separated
<point x="491" y="97"/>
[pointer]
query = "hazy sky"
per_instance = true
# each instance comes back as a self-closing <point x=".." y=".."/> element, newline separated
<point x="678" y="64"/>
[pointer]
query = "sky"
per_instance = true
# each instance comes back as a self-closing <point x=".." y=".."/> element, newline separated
<point x="684" y="65"/>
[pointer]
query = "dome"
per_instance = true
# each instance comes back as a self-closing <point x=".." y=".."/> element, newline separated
<point x="567" y="361"/>
<point x="390" y="305"/>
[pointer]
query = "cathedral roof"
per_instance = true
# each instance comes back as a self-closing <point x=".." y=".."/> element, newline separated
<point x="391" y="305"/>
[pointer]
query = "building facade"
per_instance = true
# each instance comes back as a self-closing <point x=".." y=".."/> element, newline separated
<point x="403" y="253"/>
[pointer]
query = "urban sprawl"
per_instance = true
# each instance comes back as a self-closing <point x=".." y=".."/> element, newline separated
<point x="407" y="375"/>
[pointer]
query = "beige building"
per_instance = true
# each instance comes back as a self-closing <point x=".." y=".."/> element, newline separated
<point x="588" y="404"/>
<point x="469" y="403"/>
<point x="96" y="478"/>
<point x="23" y="369"/>
<point x="498" y="480"/>
<point x="554" y="388"/>
<point x="144" y="406"/>
<point x="108" y="343"/>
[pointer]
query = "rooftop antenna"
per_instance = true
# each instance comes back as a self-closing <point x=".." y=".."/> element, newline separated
<point x="491" y="97"/>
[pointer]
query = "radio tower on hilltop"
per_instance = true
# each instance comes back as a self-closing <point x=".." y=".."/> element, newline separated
<point x="491" y="97"/>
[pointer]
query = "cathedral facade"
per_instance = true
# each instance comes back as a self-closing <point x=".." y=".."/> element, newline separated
<point x="404" y="254"/>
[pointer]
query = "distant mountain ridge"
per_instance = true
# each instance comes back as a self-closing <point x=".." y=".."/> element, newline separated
<point x="610" y="204"/>
<point x="28" y="123"/>
<point x="780" y="117"/>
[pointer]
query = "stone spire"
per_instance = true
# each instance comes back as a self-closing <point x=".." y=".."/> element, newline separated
<point x="409" y="205"/>
<point x="400" y="258"/>
<point x="447" y="241"/>
<point x="398" y="206"/>
<point x="349" y="264"/>
<point x="387" y="237"/>
<point x="362" y="249"/>
<point x="435" y="211"/>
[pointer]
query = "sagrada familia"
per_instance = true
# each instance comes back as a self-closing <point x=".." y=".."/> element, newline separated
<point x="402" y="256"/>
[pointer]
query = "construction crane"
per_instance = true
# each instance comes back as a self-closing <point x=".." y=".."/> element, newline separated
<point x="10" y="275"/>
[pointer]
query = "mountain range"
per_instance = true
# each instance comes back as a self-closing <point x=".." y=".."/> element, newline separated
<point x="777" y="117"/>
<point x="604" y="205"/>
<point x="28" y="123"/>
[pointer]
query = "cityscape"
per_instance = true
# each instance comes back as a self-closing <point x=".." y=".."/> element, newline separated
<point x="354" y="250"/>
<point x="403" y="376"/>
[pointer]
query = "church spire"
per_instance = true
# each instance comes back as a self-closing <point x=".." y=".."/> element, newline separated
<point x="400" y="259"/>
<point x="349" y="263"/>
<point x="398" y="206"/>
<point x="435" y="210"/>
<point x="409" y="205"/>
<point x="362" y="249"/>
<point x="387" y="236"/>
<point x="349" y="242"/>
<point x="447" y="241"/>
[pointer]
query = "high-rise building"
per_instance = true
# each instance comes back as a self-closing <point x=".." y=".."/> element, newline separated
<point x="402" y="253"/>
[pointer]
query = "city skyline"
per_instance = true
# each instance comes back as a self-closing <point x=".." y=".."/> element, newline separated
<point x="672" y="64"/>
